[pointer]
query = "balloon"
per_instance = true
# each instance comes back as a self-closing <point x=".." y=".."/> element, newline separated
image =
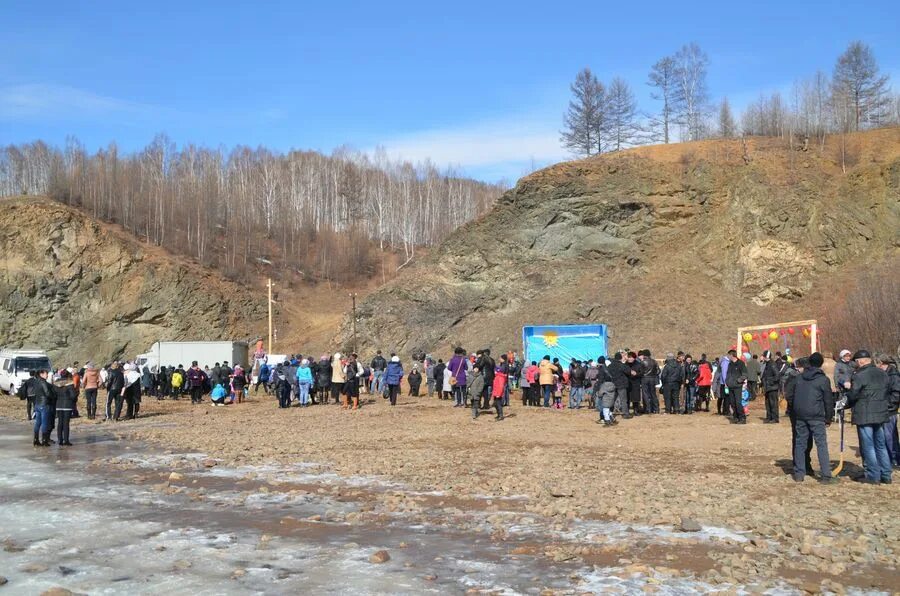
<point x="773" y="335"/>
<point x="806" y="332"/>
<point x="733" y="347"/>
<point x="748" y="338"/>
<point x="756" y="336"/>
<point x="791" y="330"/>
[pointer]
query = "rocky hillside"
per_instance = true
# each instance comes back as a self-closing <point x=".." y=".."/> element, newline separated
<point x="84" y="290"/>
<point x="672" y="246"/>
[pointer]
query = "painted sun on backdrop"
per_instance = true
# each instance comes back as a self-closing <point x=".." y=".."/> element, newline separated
<point x="551" y="339"/>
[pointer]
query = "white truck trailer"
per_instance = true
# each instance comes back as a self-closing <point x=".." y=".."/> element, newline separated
<point x="206" y="353"/>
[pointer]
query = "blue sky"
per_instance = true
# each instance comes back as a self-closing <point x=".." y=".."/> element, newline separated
<point x="481" y="85"/>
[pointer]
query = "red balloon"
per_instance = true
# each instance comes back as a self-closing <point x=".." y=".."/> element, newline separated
<point x="755" y="336"/>
<point x="791" y="330"/>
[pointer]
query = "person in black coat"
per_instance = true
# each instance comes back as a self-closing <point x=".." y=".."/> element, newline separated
<point x="115" y="382"/>
<point x="691" y="372"/>
<point x="812" y="406"/>
<point x="323" y="378"/>
<point x="649" y="379"/>
<point x="789" y="388"/>
<point x="633" y="369"/>
<point x="487" y="366"/>
<point x="771" y="382"/>
<point x="438" y="376"/>
<point x="26" y="393"/>
<point x="618" y="371"/>
<point x="66" y="396"/>
<point x="869" y="397"/>
<point x="734" y="383"/>
<point x="671" y="377"/>
<point x="43" y="397"/>
<point x="415" y="381"/>
<point x="888" y="364"/>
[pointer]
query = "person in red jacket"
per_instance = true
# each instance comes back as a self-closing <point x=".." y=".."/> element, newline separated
<point x="704" y="381"/>
<point x="498" y="389"/>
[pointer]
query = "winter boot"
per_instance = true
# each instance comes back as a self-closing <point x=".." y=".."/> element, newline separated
<point x="45" y="440"/>
<point x="37" y="440"/>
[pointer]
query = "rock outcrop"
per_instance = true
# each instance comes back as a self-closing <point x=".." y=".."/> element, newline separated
<point x="84" y="290"/>
<point x="672" y="246"/>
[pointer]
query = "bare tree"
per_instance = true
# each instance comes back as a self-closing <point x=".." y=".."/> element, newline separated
<point x="323" y="217"/>
<point x="663" y="78"/>
<point x="727" y="126"/>
<point x="811" y="106"/>
<point x="584" y="118"/>
<point x="856" y="76"/>
<point x="691" y="95"/>
<point x="621" y="109"/>
<point x="767" y="116"/>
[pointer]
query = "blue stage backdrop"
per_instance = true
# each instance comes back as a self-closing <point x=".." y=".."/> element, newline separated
<point x="582" y="342"/>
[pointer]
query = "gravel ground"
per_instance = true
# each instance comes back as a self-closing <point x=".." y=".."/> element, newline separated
<point x="664" y="471"/>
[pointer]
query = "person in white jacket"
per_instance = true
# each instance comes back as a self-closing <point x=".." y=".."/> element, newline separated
<point x="338" y="376"/>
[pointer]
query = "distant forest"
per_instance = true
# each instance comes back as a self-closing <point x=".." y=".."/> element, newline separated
<point x="604" y="117"/>
<point x="249" y="211"/>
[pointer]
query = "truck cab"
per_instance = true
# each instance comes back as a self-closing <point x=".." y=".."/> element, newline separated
<point x="16" y="367"/>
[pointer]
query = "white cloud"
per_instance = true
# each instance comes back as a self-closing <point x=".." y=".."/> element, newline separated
<point x="61" y="101"/>
<point x="482" y="145"/>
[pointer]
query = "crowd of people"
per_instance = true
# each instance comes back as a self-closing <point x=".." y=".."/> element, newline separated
<point x="622" y="386"/>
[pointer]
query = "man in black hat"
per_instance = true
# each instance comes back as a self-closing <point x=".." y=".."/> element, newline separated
<point x="812" y="407"/>
<point x="868" y="396"/>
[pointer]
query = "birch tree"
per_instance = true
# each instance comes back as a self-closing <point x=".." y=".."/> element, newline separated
<point x="690" y="92"/>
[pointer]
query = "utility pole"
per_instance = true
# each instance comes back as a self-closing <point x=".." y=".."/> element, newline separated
<point x="353" y="299"/>
<point x="269" y="346"/>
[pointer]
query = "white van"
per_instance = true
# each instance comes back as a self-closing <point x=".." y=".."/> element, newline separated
<point x="16" y="367"/>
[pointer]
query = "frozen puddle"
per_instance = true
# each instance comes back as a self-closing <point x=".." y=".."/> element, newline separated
<point x="64" y="522"/>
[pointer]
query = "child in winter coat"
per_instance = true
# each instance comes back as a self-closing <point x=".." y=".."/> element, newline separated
<point x="447" y="388"/>
<point x="238" y="384"/>
<point x="745" y="398"/>
<point x="557" y="392"/>
<point x="498" y="390"/>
